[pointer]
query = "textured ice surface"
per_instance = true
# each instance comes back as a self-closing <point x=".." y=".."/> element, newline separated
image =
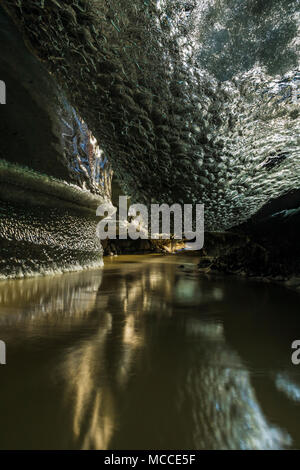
<point x="39" y="240"/>
<point x="192" y="102"/>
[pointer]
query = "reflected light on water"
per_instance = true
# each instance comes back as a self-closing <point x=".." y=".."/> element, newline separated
<point x="145" y="355"/>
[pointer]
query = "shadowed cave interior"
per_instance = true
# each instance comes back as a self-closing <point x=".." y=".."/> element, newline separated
<point x="164" y="101"/>
<point x="187" y="130"/>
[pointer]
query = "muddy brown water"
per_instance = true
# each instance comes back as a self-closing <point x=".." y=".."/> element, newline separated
<point x="145" y="354"/>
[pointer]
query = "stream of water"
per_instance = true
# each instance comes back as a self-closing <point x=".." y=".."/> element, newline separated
<point x="145" y="354"/>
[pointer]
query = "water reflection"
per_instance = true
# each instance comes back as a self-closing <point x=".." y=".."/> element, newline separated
<point x="147" y="356"/>
<point x="54" y="297"/>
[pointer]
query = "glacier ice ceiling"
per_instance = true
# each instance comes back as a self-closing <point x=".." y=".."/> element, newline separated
<point x="186" y="101"/>
<point x="192" y="101"/>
